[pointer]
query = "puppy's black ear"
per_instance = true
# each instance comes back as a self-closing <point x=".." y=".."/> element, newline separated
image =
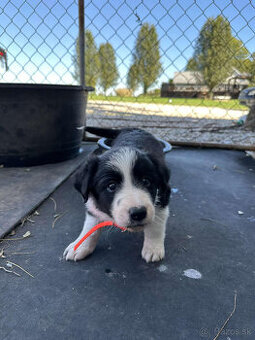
<point x="163" y="182"/>
<point x="164" y="187"/>
<point x="83" y="178"/>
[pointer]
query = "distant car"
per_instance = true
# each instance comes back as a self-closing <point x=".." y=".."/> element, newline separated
<point x="247" y="96"/>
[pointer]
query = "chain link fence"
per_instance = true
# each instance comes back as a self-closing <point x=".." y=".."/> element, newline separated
<point x="175" y="68"/>
<point x="38" y="38"/>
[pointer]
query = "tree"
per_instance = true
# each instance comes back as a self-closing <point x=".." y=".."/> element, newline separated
<point x="239" y="55"/>
<point x="213" y="51"/>
<point x="91" y="60"/>
<point x="132" y="78"/>
<point x="108" y="74"/>
<point x="192" y="65"/>
<point x="217" y="52"/>
<point x="146" y="66"/>
<point x="250" y="120"/>
<point x="251" y="68"/>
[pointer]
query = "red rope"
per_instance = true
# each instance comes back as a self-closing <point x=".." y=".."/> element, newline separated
<point x="96" y="227"/>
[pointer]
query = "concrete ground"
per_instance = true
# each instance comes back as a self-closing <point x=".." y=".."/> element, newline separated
<point x="201" y="112"/>
<point x="206" y="278"/>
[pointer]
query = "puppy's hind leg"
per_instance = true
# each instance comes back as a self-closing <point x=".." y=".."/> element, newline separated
<point x="154" y="236"/>
<point x="88" y="246"/>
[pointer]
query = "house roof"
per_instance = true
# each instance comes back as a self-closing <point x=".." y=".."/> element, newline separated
<point x="237" y="77"/>
<point x="188" y="78"/>
<point x="196" y="78"/>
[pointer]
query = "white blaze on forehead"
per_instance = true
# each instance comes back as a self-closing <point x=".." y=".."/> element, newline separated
<point x="129" y="194"/>
<point x="124" y="161"/>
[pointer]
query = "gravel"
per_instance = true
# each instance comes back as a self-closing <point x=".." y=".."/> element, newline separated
<point x="174" y="123"/>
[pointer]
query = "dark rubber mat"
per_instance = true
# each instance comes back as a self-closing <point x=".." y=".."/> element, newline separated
<point x="114" y="294"/>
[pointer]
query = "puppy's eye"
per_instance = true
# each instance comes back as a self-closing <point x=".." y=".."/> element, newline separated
<point x="146" y="182"/>
<point x="111" y="187"/>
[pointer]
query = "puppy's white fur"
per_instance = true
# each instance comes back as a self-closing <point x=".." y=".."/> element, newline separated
<point x="154" y="235"/>
<point x="88" y="246"/>
<point x="127" y="197"/>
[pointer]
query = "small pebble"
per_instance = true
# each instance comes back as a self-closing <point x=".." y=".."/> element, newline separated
<point x="162" y="268"/>
<point x="192" y="274"/>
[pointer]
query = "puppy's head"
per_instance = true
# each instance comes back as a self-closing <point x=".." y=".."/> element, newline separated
<point x="126" y="185"/>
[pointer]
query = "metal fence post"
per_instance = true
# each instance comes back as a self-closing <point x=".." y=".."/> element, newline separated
<point x="81" y="42"/>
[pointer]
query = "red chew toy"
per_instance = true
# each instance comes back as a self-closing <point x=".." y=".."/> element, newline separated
<point x="97" y="226"/>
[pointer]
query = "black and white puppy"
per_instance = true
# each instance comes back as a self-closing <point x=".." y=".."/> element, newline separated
<point x="127" y="184"/>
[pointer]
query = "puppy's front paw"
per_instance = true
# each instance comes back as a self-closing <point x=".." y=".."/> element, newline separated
<point x="152" y="253"/>
<point x="79" y="254"/>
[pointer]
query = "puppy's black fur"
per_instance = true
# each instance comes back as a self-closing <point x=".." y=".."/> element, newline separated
<point x="128" y="185"/>
<point x="150" y="172"/>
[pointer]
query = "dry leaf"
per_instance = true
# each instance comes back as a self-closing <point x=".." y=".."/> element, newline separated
<point x="27" y="234"/>
<point x="2" y="254"/>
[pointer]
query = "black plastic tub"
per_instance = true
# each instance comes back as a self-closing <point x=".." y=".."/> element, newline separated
<point x="40" y="123"/>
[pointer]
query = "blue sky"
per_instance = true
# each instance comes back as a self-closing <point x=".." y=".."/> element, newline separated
<point x="40" y="36"/>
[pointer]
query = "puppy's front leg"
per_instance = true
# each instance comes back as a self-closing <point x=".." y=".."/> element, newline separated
<point x="88" y="246"/>
<point x="154" y="236"/>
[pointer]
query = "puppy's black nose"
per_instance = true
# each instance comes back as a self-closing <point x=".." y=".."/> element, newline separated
<point x="137" y="213"/>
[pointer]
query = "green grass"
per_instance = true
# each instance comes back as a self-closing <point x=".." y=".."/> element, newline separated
<point x="230" y="104"/>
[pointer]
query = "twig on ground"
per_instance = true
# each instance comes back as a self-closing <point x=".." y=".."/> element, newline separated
<point x="12" y="239"/>
<point x="55" y="204"/>
<point x="26" y="235"/>
<point x="26" y="219"/>
<point x="230" y="316"/>
<point x="16" y="265"/>
<point x="56" y="217"/>
<point x="9" y="271"/>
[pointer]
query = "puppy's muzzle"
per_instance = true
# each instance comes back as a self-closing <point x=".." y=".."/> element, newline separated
<point x="137" y="214"/>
